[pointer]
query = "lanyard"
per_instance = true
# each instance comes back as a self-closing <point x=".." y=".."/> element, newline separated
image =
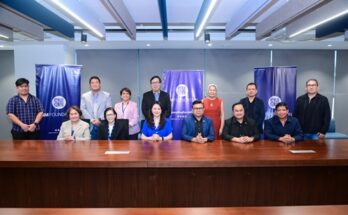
<point x="124" y="108"/>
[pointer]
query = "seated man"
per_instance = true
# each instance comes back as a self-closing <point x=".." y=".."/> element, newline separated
<point x="197" y="127"/>
<point x="282" y="127"/>
<point x="240" y="128"/>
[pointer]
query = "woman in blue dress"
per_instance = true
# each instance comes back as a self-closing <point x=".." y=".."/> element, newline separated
<point x="156" y="127"/>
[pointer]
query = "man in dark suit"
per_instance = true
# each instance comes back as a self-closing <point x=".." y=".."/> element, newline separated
<point x="253" y="106"/>
<point x="156" y="94"/>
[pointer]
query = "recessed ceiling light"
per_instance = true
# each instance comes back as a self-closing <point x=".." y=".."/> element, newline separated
<point x="86" y="45"/>
<point x="329" y="45"/>
<point x="2" y="46"/>
<point x="270" y="45"/>
<point x="148" y="44"/>
<point x="210" y="44"/>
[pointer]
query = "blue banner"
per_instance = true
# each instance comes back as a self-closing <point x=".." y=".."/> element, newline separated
<point x="184" y="87"/>
<point x="274" y="85"/>
<point x="58" y="87"/>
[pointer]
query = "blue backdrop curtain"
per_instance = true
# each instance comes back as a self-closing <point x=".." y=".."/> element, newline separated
<point x="58" y="87"/>
<point x="276" y="84"/>
<point x="184" y="87"/>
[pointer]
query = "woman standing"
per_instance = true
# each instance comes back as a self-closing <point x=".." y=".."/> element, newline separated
<point x="112" y="129"/>
<point x="74" y="128"/>
<point x="127" y="109"/>
<point x="214" y="109"/>
<point x="157" y="127"/>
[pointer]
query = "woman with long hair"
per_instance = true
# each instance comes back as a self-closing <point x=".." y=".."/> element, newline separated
<point x="156" y="127"/>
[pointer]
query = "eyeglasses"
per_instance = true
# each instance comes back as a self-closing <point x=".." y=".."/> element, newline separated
<point x="199" y="108"/>
<point x="311" y="85"/>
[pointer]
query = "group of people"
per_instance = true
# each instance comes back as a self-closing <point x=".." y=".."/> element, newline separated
<point x="310" y="119"/>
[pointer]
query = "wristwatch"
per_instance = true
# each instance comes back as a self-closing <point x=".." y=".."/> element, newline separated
<point x="36" y="124"/>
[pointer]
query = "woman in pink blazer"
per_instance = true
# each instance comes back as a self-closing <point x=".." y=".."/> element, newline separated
<point x="127" y="109"/>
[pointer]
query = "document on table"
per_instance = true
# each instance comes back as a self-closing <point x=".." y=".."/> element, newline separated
<point x="294" y="151"/>
<point x="115" y="152"/>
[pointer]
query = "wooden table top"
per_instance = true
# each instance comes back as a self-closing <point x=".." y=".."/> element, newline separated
<point x="307" y="210"/>
<point x="144" y="154"/>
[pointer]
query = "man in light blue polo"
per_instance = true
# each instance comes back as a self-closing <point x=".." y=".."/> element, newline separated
<point x="93" y="104"/>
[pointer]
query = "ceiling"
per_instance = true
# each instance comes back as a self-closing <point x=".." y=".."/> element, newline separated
<point x="181" y="16"/>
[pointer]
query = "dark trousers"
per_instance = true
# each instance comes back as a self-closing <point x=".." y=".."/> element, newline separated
<point x="16" y="135"/>
<point x="94" y="132"/>
<point x="133" y="136"/>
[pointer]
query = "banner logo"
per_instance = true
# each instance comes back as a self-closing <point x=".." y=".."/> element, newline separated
<point x="181" y="90"/>
<point x="58" y="102"/>
<point x="273" y="101"/>
<point x="183" y="87"/>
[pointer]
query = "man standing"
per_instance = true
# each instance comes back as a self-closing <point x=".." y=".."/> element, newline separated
<point x="254" y="107"/>
<point x="240" y="128"/>
<point x="313" y="111"/>
<point x="25" y="111"/>
<point x="156" y="94"/>
<point x="283" y="127"/>
<point x="93" y="104"/>
<point x="197" y="127"/>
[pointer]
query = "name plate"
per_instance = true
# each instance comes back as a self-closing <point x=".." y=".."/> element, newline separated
<point x="119" y="152"/>
<point x="302" y="151"/>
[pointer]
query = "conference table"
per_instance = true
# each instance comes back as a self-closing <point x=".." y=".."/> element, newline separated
<point x="307" y="210"/>
<point x="75" y="174"/>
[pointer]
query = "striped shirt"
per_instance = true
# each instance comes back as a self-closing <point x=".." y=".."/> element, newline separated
<point x="25" y="111"/>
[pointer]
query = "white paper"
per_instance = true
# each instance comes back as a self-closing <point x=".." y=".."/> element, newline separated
<point x="302" y="151"/>
<point x="114" y="152"/>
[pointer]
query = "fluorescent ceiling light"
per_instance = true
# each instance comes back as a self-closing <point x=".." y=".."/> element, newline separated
<point x="318" y="23"/>
<point x="206" y="16"/>
<point x="75" y="16"/>
<point x="5" y="37"/>
<point x="287" y="13"/>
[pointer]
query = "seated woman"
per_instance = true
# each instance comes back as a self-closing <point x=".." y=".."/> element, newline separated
<point x="157" y="127"/>
<point x="240" y="128"/>
<point x="112" y="129"/>
<point x="282" y="127"/>
<point x="74" y="128"/>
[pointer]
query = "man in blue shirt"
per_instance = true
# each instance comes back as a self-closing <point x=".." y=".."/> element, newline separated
<point x="282" y="127"/>
<point x="25" y="111"/>
<point x="197" y="127"/>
